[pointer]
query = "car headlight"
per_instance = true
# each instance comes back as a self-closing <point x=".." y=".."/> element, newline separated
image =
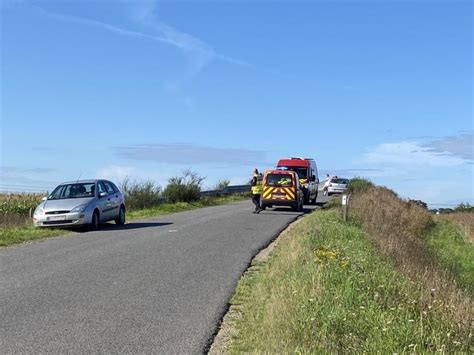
<point x="79" y="208"/>
<point x="38" y="210"/>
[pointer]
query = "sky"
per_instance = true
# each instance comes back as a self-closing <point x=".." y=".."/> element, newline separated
<point x="146" y="89"/>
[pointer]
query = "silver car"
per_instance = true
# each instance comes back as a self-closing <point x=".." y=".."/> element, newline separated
<point x="79" y="203"/>
<point x="337" y="185"/>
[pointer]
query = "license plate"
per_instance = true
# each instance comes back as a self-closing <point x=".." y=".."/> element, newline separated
<point x="56" y="218"/>
<point x="278" y="195"/>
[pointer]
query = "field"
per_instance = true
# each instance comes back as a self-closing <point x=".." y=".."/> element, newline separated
<point x="15" y="209"/>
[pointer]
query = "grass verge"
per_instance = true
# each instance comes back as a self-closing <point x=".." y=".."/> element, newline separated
<point x="326" y="288"/>
<point x="15" y="235"/>
<point x="448" y="244"/>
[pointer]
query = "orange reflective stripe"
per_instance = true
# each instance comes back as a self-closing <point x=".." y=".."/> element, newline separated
<point x="290" y="194"/>
<point x="267" y="192"/>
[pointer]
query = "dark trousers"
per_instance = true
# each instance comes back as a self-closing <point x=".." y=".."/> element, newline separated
<point x="256" y="201"/>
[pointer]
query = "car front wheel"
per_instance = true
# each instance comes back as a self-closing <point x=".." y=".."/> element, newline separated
<point x="95" y="224"/>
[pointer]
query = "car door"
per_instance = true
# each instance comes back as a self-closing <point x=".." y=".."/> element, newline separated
<point x="312" y="186"/>
<point x="115" y="199"/>
<point x="105" y="203"/>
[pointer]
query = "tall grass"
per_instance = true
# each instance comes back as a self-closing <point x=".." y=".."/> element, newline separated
<point x="327" y="289"/>
<point x="447" y="243"/>
<point x="465" y="221"/>
<point x="397" y="227"/>
<point x="358" y="185"/>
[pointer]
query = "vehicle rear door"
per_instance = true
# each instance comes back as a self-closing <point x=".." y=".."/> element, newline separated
<point x="115" y="199"/>
<point x="105" y="203"/>
<point x="312" y="185"/>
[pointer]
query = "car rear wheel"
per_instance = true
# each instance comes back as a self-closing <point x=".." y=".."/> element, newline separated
<point x="295" y="208"/>
<point x="120" y="220"/>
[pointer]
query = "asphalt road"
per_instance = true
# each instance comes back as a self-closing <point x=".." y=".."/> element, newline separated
<point x="159" y="285"/>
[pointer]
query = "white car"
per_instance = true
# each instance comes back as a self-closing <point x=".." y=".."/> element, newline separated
<point x="337" y="186"/>
<point x="81" y="203"/>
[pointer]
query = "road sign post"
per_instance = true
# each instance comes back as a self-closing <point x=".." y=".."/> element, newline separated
<point x="345" y="200"/>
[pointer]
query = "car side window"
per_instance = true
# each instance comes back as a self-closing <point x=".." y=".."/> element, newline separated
<point x="109" y="188"/>
<point x="101" y="187"/>
<point x="116" y="189"/>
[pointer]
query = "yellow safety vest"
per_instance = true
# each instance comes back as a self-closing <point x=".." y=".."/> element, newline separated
<point x="258" y="188"/>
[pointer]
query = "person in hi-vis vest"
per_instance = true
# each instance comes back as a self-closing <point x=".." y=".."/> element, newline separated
<point x="257" y="189"/>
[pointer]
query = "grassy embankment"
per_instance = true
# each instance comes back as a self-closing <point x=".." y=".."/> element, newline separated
<point x="368" y="285"/>
<point x="451" y="241"/>
<point x="17" y="228"/>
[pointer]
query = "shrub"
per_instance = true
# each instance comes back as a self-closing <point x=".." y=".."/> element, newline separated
<point x="221" y="184"/>
<point x="185" y="188"/>
<point x="464" y="207"/>
<point x="138" y="195"/>
<point x="359" y="184"/>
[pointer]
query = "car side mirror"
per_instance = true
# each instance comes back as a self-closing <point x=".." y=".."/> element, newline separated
<point x="103" y="194"/>
<point x="312" y="178"/>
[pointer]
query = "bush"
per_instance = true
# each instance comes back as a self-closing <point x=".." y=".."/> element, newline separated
<point x="464" y="207"/>
<point x="359" y="184"/>
<point x="139" y="195"/>
<point x="221" y="184"/>
<point x="185" y="188"/>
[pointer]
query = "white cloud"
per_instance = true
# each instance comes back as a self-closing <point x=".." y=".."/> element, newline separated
<point x="143" y="13"/>
<point x="410" y="154"/>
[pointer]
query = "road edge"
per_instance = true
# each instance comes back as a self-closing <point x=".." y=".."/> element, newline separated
<point x="225" y="330"/>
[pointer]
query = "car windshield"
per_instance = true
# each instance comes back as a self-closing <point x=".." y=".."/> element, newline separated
<point x="302" y="172"/>
<point x="279" y="180"/>
<point x="77" y="190"/>
<point x="340" y="181"/>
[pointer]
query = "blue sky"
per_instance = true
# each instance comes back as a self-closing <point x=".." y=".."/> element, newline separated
<point x="147" y="89"/>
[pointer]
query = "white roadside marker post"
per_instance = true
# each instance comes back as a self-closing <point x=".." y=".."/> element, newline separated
<point x="345" y="201"/>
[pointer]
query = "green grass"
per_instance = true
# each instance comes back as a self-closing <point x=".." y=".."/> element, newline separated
<point x="9" y="236"/>
<point x="326" y="288"/>
<point x="14" y="235"/>
<point x="448" y="244"/>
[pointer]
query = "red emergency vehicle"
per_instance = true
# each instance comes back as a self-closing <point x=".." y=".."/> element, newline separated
<point x="307" y="171"/>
